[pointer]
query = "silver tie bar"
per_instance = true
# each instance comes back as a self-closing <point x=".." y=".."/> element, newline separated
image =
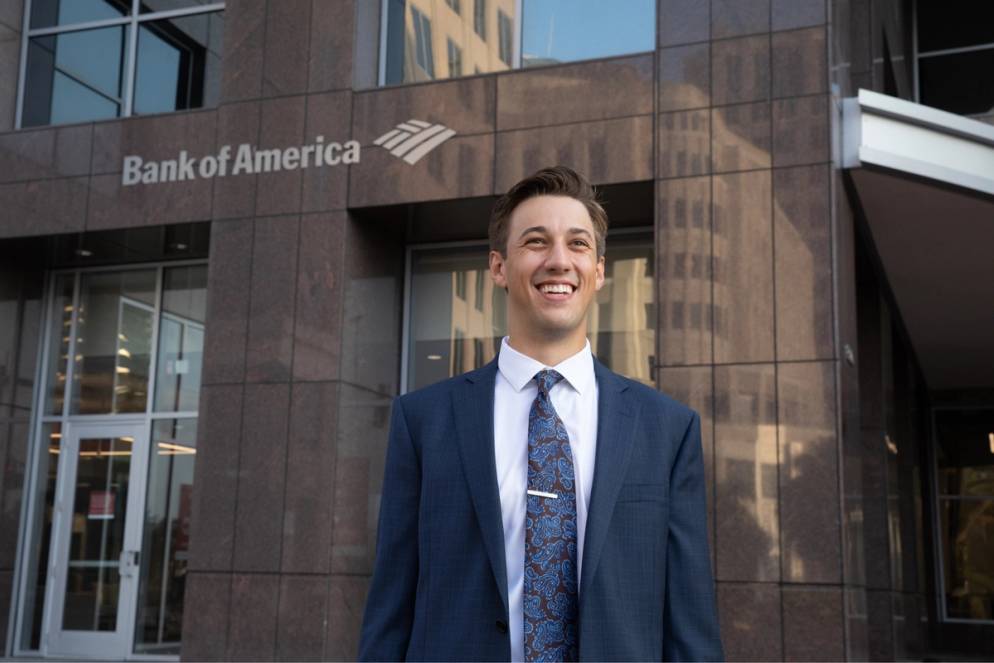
<point x="539" y="493"/>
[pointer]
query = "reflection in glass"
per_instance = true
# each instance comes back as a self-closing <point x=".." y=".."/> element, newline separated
<point x="958" y="83"/>
<point x="965" y="452"/>
<point x="97" y="534"/>
<point x="178" y="63"/>
<point x="75" y="76"/>
<point x="968" y="555"/>
<point x="433" y="39"/>
<point x="166" y="536"/>
<point x="181" y="339"/>
<point x="49" y="13"/>
<point x="149" y="6"/>
<point x="568" y="30"/>
<point x="113" y="342"/>
<point x="39" y="534"/>
<point x="58" y="344"/>
<point x="457" y="315"/>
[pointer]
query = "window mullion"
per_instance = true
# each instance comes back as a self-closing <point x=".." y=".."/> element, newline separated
<point x="129" y="83"/>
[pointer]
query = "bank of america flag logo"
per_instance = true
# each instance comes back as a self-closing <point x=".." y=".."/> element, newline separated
<point x="413" y="139"/>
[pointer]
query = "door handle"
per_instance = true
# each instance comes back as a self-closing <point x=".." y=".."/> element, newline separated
<point x="128" y="562"/>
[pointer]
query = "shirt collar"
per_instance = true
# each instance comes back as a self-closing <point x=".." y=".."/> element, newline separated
<point x="520" y="369"/>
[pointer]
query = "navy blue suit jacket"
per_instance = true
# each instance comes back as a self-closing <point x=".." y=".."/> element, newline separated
<point x="439" y="587"/>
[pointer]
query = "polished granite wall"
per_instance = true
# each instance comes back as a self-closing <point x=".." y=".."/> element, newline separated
<point x="731" y="118"/>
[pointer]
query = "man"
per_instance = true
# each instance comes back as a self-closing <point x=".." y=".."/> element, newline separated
<point x="543" y="507"/>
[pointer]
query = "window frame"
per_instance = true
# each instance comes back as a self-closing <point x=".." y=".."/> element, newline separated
<point x="132" y="22"/>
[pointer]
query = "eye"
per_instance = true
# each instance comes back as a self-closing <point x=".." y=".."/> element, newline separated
<point x="580" y="242"/>
<point x="534" y="240"/>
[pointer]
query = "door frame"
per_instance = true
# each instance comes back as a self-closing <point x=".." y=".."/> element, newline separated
<point x="101" y="644"/>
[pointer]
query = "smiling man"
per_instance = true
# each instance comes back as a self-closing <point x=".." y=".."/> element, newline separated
<point x="543" y="507"/>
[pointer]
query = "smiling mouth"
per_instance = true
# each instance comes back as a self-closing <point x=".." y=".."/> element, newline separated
<point x="556" y="290"/>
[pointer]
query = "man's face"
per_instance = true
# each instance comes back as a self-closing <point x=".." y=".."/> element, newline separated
<point x="551" y="270"/>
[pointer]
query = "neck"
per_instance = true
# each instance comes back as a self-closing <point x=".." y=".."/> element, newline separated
<point x="548" y="351"/>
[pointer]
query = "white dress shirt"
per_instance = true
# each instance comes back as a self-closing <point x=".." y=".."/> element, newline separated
<point x="575" y="400"/>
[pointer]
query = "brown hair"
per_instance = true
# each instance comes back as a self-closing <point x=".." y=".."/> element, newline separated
<point x="552" y="181"/>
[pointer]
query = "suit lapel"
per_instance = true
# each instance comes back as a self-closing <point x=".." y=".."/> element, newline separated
<point x="616" y="416"/>
<point x="473" y="407"/>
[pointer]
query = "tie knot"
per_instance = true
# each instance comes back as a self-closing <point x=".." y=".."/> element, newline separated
<point x="547" y="379"/>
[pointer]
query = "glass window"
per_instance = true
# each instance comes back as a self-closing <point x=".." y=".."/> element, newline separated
<point x="73" y="75"/>
<point x="480" y="18"/>
<point x="181" y="339"/>
<point x="455" y="58"/>
<point x="965" y="457"/>
<point x="945" y="25"/>
<point x="178" y="63"/>
<point x="50" y="13"/>
<point x="113" y="342"/>
<point x="568" y="30"/>
<point x="166" y="538"/>
<point x="505" y="28"/>
<point x="449" y="334"/>
<point x="58" y="344"/>
<point x="423" y="44"/>
<point x="456" y="5"/>
<point x="959" y="83"/>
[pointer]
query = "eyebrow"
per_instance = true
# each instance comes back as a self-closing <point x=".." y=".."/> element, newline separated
<point x="543" y="229"/>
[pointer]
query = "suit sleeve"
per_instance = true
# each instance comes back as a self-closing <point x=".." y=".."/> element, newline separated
<point x="690" y="623"/>
<point x="386" y="626"/>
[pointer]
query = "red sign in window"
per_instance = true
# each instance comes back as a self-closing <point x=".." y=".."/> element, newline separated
<point x="101" y="505"/>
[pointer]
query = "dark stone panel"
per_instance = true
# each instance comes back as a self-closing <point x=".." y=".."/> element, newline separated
<point x="684" y="143"/>
<point x="307" y="516"/>
<point x="606" y="151"/>
<point x="244" y="34"/>
<point x="153" y="138"/>
<point x="694" y="386"/>
<point x="788" y="14"/>
<point x="743" y="267"/>
<point x="731" y="18"/>
<point x="317" y="331"/>
<point x="254" y="613"/>
<point x="741" y="137"/>
<point x="800" y="130"/>
<point x="6" y="589"/>
<point x="332" y="33"/>
<point x="286" y="57"/>
<point x="810" y="523"/>
<point x="278" y="191"/>
<point x="113" y="205"/>
<point x="857" y="643"/>
<point x="373" y="303"/>
<point x="751" y="628"/>
<point x="261" y="478"/>
<point x="745" y="466"/>
<point x="363" y="424"/>
<point x="346" y="602"/>
<point x="465" y="105"/>
<point x="11" y="14"/>
<point x="799" y="62"/>
<point x="740" y="70"/>
<point x="328" y="115"/>
<point x="683" y="271"/>
<point x="683" y="21"/>
<point x="813" y="624"/>
<point x="207" y="605"/>
<point x="595" y="90"/>
<point x="44" y="153"/>
<point x="273" y="287"/>
<point x="802" y="237"/>
<point x="10" y="58"/>
<point x="43" y="207"/>
<point x="461" y="167"/>
<point x="14" y="468"/>
<point x="234" y="195"/>
<point x="684" y="74"/>
<point x="301" y="620"/>
<point x="215" y="483"/>
<point x="880" y="627"/>
<point x="228" y="274"/>
<point x="875" y="518"/>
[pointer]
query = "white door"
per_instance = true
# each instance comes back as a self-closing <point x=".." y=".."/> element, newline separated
<point x="90" y="611"/>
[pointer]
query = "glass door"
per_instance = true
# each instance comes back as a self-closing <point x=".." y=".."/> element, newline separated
<point x="97" y="534"/>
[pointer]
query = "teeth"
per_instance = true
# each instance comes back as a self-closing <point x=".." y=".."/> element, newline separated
<point x="557" y="288"/>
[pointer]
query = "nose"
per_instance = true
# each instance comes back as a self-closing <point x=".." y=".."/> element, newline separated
<point x="558" y="258"/>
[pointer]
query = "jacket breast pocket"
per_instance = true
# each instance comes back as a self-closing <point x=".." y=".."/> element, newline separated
<point x="642" y="492"/>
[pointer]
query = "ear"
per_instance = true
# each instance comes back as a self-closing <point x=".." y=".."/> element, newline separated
<point x="599" y="282"/>
<point x="497" y="269"/>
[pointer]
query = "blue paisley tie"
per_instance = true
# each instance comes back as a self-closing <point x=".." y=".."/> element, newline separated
<point x="550" y="587"/>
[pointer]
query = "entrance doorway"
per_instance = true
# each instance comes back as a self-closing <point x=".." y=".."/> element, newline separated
<point x="97" y="540"/>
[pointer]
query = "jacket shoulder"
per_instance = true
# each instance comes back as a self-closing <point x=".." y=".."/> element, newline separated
<point x="663" y="404"/>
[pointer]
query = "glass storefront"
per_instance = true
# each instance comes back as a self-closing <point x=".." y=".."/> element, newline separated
<point x="108" y="528"/>
<point x="456" y="314"/>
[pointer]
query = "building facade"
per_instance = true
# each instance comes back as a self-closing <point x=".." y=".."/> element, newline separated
<point x="232" y="232"/>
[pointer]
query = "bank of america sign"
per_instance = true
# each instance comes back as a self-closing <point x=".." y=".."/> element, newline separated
<point x="409" y="141"/>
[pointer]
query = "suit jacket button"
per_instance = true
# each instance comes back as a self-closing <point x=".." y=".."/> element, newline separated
<point x="501" y="626"/>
